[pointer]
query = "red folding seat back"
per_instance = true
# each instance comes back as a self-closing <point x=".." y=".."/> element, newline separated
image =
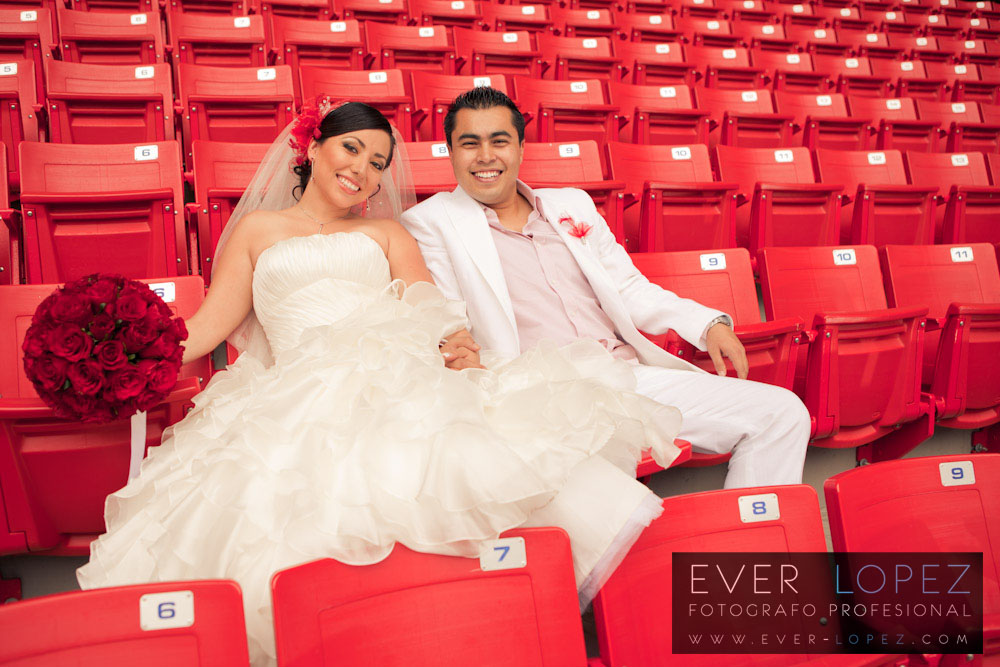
<point x="56" y="473"/>
<point x="565" y="110"/>
<point x="896" y="121"/>
<point x="817" y="39"/>
<point x="723" y="279"/>
<point x="758" y="34"/>
<point x="744" y="117"/>
<point x="109" y="207"/>
<point x="18" y="113"/>
<point x="224" y="7"/>
<point x="299" y="41"/>
<point x="966" y="81"/>
<point x="511" y="18"/>
<point x="242" y="104"/>
<point x="579" y="58"/>
<point x="707" y="31"/>
<point x="726" y="67"/>
<point x="860" y="375"/>
<point x="191" y="622"/>
<point x="216" y="40"/>
<point x="497" y="52"/>
<point x="853" y="75"/>
<point x="780" y="202"/>
<point x="879" y="207"/>
<point x="876" y="46"/>
<point x="220" y="173"/>
<point x="414" y="608"/>
<point x="971" y="50"/>
<point x="823" y="120"/>
<point x="433" y="93"/>
<point x="656" y="64"/>
<point x="659" y="114"/>
<point x="964" y="124"/>
<point x="584" y="22"/>
<point x="935" y="504"/>
<point x="431" y="168"/>
<point x="425" y="47"/>
<point x="924" y="47"/>
<point x="680" y="206"/>
<point x="28" y="34"/>
<point x="129" y="6"/>
<point x="654" y="28"/>
<point x="378" y="11"/>
<point x="971" y="210"/>
<point x="961" y="287"/>
<point x="909" y="78"/>
<point x="574" y="165"/>
<point x="110" y="38"/>
<point x="109" y="104"/>
<point x="314" y="10"/>
<point x="453" y="13"/>
<point x="632" y="613"/>
<point x="384" y="90"/>
<point x="790" y="71"/>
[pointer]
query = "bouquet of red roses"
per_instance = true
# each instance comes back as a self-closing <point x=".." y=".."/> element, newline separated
<point x="103" y="347"/>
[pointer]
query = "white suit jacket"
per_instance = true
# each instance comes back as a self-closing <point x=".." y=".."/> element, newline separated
<point x="457" y="244"/>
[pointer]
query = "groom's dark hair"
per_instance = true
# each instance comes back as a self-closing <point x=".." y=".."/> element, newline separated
<point x="482" y="97"/>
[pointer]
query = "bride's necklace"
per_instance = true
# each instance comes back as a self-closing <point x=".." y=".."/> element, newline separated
<point x="313" y="218"/>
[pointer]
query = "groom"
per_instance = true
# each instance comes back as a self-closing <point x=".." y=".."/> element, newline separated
<point x="528" y="269"/>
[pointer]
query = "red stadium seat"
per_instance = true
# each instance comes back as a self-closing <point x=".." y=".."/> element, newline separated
<point x="579" y="58"/>
<point x="28" y="34"/>
<point x="246" y="104"/>
<point x="110" y="38"/>
<point x="110" y="207"/>
<point x="584" y="22"/>
<point x="431" y="168"/>
<point x="222" y="41"/>
<point x="109" y="104"/>
<point x="937" y="503"/>
<point x="924" y="47"/>
<point x="790" y="71"/>
<point x="746" y="117"/>
<point x="313" y="10"/>
<point x="853" y="75"/>
<point x="10" y="233"/>
<point x="971" y="211"/>
<point x="681" y="207"/>
<point x="19" y="110"/>
<point x="967" y="82"/>
<point x="451" y="13"/>
<point x="633" y="613"/>
<point x="497" y="53"/>
<point x="896" y="124"/>
<point x="511" y="18"/>
<point x="659" y="114"/>
<point x="423" y="609"/>
<point x="130" y="6"/>
<point x="409" y="47"/>
<point x="297" y="42"/>
<point x="55" y="473"/>
<point x="823" y="120"/>
<point x="876" y="46"/>
<point x="224" y="7"/>
<point x="961" y="286"/>
<point x="977" y="51"/>
<point x="656" y="64"/>
<point x="377" y="11"/>
<point x="220" y="173"/>
<point x="759" y="34"/>
<point x="780" y="202"/>
<point x="723" y="279"/>
<point x="433" y="93"/>
<point x="565" y="110"/>
<point x="707" y="31"/>
<point x="909" y="78"/>
<point x="190" y="622"/>
<point x="879" y="207"/>
<point x="964" y="125"/>
<point x="817" y="39"/>
<point x="727" y="67"/>
<point x="860" y="375"/>
<point x="383" y="90"/>
<point x="576" y="165"/>
<point x="652" y="28"/>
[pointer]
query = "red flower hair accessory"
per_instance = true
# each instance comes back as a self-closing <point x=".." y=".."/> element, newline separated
<point x="306" y="127"/>
<point x="577" y="229"/>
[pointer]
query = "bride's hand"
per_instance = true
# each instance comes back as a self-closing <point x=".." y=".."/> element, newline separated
<point x="460" y="351"/>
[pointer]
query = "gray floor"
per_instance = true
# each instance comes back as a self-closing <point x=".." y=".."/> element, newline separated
<point x="42" y="575"/>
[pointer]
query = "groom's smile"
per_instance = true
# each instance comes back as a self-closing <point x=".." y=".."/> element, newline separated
<point x="486" y="154"/>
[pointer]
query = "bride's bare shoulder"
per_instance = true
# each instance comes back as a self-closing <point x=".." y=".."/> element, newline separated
<point x="260" y="229"/>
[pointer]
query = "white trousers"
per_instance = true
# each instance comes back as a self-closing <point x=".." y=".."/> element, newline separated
<point x="766" y="428"/>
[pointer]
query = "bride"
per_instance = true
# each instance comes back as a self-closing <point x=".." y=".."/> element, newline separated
<point x="339" y="431"/>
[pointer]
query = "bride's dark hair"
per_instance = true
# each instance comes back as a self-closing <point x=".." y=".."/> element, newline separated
<point x="349" y="117"/>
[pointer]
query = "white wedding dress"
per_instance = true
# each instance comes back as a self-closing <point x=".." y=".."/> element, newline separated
<point x="357" y="437"/>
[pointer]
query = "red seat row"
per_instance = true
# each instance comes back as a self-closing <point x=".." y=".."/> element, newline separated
<point x="420" y="609"/>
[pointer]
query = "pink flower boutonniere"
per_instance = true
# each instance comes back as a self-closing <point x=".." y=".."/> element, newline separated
<point x="577" y="229"/>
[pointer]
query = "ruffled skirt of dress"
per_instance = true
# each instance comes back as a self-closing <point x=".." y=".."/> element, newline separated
<point x="360" y="438"/>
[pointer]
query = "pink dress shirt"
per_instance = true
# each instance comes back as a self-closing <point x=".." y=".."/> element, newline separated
<point x="551" y="296"/>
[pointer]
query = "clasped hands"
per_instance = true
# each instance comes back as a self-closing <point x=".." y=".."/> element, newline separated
<point x="460" y="351"/>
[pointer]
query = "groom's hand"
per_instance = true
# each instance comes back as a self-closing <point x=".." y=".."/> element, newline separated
<point x="721" y="341"/>
<point x="460" y="351"/>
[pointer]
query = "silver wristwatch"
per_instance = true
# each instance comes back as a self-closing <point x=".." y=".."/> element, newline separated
<point x="721" y="319"/>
